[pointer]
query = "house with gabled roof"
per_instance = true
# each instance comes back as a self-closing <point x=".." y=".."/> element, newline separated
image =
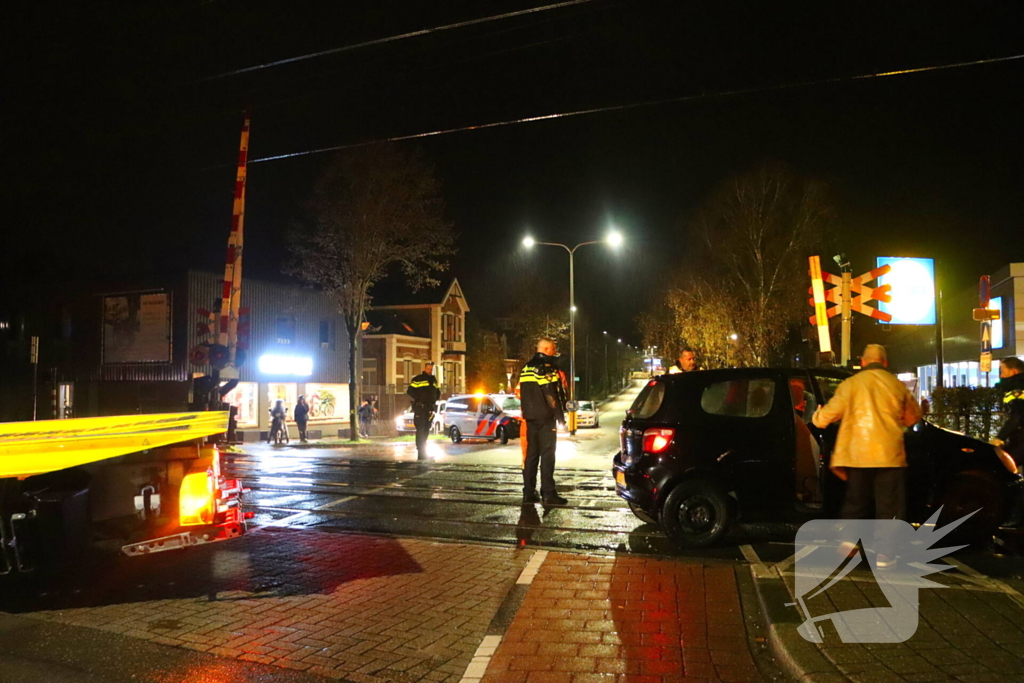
<point x="401" y="336"/>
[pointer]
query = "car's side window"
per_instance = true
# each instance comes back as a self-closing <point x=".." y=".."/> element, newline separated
<point x="804" y="402"/>
<point x="739" y="398"/>
<point x="455" y="407"/>
<point x="487" y="407"/>
<point x="828" y="386"/>
<point x="649" y="400"/>
<point x="474" y="405"/>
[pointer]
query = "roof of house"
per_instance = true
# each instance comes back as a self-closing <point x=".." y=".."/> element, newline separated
<point x="392" y="322"/>
<point x="435" y="296"/>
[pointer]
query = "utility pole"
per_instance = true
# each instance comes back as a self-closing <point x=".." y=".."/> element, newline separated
<point x="607" y="383"/>
<point x="845" y="299"/>
<point x="34" y="357"/>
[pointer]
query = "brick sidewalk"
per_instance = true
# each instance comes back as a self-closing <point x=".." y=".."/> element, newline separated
<point x="362" y="608"/>
<point x="626" y="620"/>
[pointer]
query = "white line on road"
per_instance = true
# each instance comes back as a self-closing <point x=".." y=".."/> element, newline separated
<point x="481" y="658"/>
<point x="532" y="567"/>
<point x="755" y="562"/>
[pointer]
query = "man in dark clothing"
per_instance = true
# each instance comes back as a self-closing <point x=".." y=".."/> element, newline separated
<point x="302" y="417"/>
<point x="424" y="393"/>
<point x="543" y="400"/>
<point x="1011" y="388"/>
<point x="365" y="417"/>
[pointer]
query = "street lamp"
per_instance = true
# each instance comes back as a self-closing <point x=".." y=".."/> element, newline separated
<point x="613" y="239"/>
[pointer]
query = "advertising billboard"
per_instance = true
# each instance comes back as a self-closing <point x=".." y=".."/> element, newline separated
<point x="913" y="290"/>
<point x="137" y="328"/>
<point x="327" y="402"/>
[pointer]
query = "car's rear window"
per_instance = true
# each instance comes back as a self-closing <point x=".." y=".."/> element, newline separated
<point x="511" y="404"/>
<point x="739" y="398"/>
<point x="649" y="400"/>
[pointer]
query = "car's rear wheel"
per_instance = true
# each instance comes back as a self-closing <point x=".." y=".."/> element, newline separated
<point x="502" y="435"/>
<point x="455" y="434"/>
<point x="970" y="492"/>
<point x="697" y="514"/>
<point x="640" y="514"/>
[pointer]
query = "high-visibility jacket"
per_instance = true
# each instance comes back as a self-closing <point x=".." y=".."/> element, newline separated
<point x="1012" y="431"/>
<point x="424" y="392"/>
<point x="541" y="390"/>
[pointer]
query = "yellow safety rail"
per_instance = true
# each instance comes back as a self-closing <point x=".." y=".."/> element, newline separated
<point x="29" y="448"/>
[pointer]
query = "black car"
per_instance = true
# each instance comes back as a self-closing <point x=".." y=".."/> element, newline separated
<point x="699" y="449"/>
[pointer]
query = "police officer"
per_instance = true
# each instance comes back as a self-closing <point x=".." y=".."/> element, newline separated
<point x="424" y="394"/>
<point x="1011" y="386"/>
<point x="543" y="399"/>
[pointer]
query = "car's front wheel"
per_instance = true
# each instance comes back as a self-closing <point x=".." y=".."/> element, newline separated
<point x="640" y="514"/>
<point x="976" y="492"/>
<point x="697" y="514"/>
<point x="502" y="435"/>
<point x="455" y="434"/>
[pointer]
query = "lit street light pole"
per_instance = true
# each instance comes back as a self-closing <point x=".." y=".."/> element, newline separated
<point x="614" y="239"/>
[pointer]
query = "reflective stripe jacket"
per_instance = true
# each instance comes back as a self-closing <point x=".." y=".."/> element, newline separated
<point x="540" y="390"/>
<point x="1012" y="431"/>
<point x="424" y="392"/>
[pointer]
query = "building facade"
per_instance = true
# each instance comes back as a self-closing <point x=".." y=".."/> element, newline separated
<point x="126" y="349"/>
<point x="914" y="350"/>
<point x="400" y="338"/>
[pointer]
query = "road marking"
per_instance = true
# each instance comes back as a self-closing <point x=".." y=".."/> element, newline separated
<point x="532" y="567"/>
<point x="750" y="555"/>
<point x="986" y="581"/>
<point x="481" y="659"/>
<point x="793" y="559"/>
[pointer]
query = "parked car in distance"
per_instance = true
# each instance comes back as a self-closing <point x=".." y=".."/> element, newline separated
<point x="700" y="448"/>
<point x="587" y="415"/>
<point x="405" y="425"/>
<point x="494" y="417"/>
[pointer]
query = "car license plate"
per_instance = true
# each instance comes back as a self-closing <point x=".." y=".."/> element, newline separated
<point x="620" y="478"/>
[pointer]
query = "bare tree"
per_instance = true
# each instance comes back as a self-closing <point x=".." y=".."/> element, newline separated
<point x="748" y="276"/>
<point x="374" y="209"/>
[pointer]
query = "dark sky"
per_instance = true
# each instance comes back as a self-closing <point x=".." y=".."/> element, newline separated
<point x="120" y="129"/>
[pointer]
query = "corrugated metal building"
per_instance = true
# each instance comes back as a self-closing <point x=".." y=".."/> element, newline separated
<point x="126" y="350"/>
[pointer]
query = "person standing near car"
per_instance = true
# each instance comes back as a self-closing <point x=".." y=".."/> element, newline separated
<point x="424" y="393"/>
<point x="543" y="402"/>
<point x="302" y="417"/>
<point x="1011" y="392"/>
<point x="869" y="454"/>
<point x="687" y="362"/>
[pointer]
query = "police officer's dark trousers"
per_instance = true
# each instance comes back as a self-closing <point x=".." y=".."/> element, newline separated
<point x="421" y="418"/>
<point x="541" y="438"/>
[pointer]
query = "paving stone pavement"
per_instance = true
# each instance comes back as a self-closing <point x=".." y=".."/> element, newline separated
<point x="588" y="619"/>
<point x="361" y="608"/>
<point x="969" y="631"/>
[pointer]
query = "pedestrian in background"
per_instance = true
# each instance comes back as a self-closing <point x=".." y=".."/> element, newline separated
<point x="302" y="417"/>
<point x="1011" y="391"/>
<point x="278" y="427"/>
<point x="543" y="403"/>
<point x="869" y="454"/>
<point x="424" y="392"/>
<point x="365" y="418"/>
<point x="687" y="362"/>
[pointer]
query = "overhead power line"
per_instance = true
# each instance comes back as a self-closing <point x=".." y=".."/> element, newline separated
<point x="390" y="39"/>
<point x="647" y="103"/>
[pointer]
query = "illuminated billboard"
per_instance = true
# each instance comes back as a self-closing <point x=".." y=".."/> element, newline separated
<point x="913" y="290"/>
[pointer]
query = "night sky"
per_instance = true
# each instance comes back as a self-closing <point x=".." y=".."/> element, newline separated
<point x="121" y="123"/>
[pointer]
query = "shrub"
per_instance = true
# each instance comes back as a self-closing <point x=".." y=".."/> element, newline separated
<point x="975" y="411"/>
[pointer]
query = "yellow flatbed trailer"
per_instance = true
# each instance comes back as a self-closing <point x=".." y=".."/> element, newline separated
<point x="153" y="476"/>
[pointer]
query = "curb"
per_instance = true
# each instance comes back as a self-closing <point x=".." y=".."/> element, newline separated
<point x="802" y="660"/>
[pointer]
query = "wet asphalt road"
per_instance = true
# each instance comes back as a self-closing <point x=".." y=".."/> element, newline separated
<point x="472" y="492"/>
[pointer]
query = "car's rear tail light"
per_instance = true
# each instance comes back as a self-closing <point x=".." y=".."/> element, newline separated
<point x="657" y="440"/>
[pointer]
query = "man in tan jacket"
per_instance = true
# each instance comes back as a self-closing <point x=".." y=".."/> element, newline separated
<point x="875" y="408"/>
